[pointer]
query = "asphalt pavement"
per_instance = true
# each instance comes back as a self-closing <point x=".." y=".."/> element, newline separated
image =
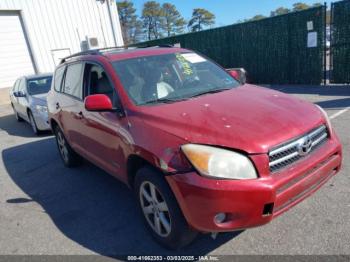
<point x="47" y="209"/>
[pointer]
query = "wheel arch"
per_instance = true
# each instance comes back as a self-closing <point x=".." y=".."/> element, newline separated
<point x="136" y="162"/>
<point x="28" y="110"/>
<point x="53" y="124"/>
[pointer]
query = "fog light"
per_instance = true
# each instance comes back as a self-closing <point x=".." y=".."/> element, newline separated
<point x="219" y="218"/>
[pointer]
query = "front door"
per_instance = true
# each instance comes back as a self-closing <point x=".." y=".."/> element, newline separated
<point x="22" y="100"/>
<point x="101" y="131"/>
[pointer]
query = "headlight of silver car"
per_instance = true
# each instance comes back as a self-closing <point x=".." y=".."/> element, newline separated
<point x="219" y="163"/>
<point x="41" y="109"/>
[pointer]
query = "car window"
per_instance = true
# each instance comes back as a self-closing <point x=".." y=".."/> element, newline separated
<point x="73" y="82"/>
<point x="22" y="85"/>
<point x="171" y="77"/>
<point x="15" y="86"/>
<point x="39" y="85"/>
<point x="58" y="78"/>
<point x="18" y="84"/>
<point x="97" y="82"/>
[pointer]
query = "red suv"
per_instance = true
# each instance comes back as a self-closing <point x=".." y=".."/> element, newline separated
<point x="202" y="151"/>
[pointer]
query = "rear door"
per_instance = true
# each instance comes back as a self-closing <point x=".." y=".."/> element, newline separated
<point x="54" y="97"/>
<point x="70" y="104"/>
<point x="12" y="91"/>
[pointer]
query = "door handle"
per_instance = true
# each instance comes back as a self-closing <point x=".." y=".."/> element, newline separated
<point x="80" y="115"/>
<point x="57" y="105"/>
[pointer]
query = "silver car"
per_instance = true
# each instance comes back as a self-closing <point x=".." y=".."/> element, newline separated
<point x="28" y="100"/>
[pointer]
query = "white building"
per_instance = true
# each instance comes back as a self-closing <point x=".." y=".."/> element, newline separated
<point x="36" y="34"/>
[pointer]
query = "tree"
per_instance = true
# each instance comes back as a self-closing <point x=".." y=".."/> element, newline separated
<point x="136" y="34"/>
<point x="128" y="20"/>
<point x="280" y="11"/>
<point x="300" y="6"/>
<point x="200" y="17"/>
<point x="153" y="19"/>
<point x="316" y="5"/>
<point x="173" y="21"/>
<point x="257" y="17"/>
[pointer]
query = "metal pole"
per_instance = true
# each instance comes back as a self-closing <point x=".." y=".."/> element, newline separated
<point x="28" y="42"/>
<point x="331" y="44"/>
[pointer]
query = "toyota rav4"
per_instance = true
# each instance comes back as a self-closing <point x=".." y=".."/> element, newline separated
<point x="202" y="151"/>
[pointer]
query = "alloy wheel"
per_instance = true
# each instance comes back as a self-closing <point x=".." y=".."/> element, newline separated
<point x="155" y="209"/>
<point x="62" y="146"/>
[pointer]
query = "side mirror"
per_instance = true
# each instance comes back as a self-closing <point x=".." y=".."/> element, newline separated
<point x="98" y="103"/>
<point x="239" y="74"/>
<point x="19" y="94"/>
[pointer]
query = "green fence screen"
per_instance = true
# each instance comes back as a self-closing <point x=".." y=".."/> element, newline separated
<point x="273" y="50"/>
<point x="340" y="42"/>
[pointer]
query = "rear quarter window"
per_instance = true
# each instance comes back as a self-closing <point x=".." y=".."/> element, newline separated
<point x="58" y="78"/>
<point x="73" y="81"/>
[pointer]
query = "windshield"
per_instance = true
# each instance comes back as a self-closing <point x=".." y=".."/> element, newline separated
<point x="40" y="85"/>
<point x="171" y="77"/>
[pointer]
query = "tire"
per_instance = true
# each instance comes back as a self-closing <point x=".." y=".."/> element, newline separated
<point x="160" y="209"/>
<point x="18" y="118"/>
<point x="68" y="156"/>
<point x="33" y="123"/>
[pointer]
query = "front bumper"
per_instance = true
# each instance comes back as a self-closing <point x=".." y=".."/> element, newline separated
<point x="250" y="203"/>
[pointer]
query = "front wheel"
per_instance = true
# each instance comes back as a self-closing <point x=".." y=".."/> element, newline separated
<point x="69" y="157"/>
<point x="161" y="211"/>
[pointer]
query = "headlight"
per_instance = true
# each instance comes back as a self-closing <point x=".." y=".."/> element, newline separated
<point x="326" y="117"/>
<point x="219" y="163"/>
<point x="41" y="109"/>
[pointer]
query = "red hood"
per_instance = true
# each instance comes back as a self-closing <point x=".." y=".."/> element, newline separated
<point x="248" y="118"/>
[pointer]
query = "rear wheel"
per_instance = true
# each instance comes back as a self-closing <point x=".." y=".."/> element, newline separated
<point x="69" y="157"/>
<point x="161" y="211"/>
<point x="18" y="118"/>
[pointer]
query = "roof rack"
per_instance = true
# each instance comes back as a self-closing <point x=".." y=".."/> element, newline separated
<point x="98" y="51"/>
<point x="93" y="52"/>
<point x="161" y="45"/>
<point x="166" y="45"/>
<point x="88" y="52"/>
<point x="114" y="47"/>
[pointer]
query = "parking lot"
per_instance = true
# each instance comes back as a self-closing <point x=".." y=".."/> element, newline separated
<point x="46" y="208"/>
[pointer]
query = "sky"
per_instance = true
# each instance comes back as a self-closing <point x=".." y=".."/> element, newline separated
<point x="229" y="11"/>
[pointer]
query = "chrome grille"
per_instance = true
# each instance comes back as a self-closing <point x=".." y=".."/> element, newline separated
<point x="290" y="152"/>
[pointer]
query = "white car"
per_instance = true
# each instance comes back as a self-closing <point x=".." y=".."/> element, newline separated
<point x="28" y="100"/>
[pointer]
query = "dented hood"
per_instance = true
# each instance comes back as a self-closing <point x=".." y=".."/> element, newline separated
<point x="248" y="118"/>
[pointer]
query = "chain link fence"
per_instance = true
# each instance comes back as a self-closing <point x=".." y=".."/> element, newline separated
<point x="340" y="42"/>
<point x="274" y="50"/>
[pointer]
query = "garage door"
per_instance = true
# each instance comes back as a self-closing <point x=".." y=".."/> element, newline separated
<point x="14" y="55"/>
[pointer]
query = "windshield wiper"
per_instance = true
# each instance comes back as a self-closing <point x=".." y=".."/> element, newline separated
<point x="168" y="100"/>
<point x="161" y="100"/>
<point x="211" y="91"/>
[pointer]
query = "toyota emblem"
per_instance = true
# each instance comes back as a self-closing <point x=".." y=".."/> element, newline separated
<point x="305" y="146"/>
